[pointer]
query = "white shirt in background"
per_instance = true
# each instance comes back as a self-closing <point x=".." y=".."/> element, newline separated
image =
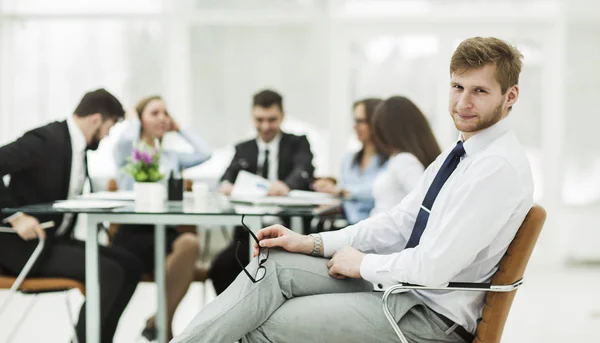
<point x="392" y="184"/>
<point x="77" y="179"/>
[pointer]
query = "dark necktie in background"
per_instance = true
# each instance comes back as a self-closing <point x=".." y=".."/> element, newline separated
<point x="265" y="167"/>
<point x="443" y="174"/>
<point x="87" y="171"/>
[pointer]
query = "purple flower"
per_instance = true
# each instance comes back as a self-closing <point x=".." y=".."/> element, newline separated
<point x="137" y="156"/>
<point x="147" y="157"/>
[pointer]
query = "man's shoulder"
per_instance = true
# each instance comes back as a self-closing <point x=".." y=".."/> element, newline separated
<point x="290" y="138"/>
<point x="246" y="144"/>
<point x="507" y="147"/>
<point x="508" y="151"/>
<point x="47" y="132"/>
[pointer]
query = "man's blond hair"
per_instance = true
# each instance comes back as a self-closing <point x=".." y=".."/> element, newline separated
<point x="476" y="52"/>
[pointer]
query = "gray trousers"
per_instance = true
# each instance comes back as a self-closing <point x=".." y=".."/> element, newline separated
<point x="297" y="301"/>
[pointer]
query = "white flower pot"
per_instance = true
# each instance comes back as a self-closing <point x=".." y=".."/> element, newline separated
<point x="149" y="196"/>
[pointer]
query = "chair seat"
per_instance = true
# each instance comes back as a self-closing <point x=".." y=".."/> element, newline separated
<point x="42" y="285"/>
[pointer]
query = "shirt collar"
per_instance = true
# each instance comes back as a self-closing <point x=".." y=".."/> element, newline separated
<point x="273" y="144"/>
<point x="77" y="138"/>
<point x="481" y="140"/>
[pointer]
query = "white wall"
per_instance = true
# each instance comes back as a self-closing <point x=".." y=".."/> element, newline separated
<point x="208" y="57"/>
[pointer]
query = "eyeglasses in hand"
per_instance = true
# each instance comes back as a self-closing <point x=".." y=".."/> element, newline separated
<point x="262" y="257"/>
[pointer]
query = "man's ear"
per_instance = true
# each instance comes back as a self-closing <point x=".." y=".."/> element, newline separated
<point x="512" y="96"/>
<point x="95" y="119"/>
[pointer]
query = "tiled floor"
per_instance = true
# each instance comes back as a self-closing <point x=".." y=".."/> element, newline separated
<point x="555" y="305"/>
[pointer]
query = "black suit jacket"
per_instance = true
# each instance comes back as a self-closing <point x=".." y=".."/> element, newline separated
<point x="295" y="161"/>
<point x="39" y="165"/>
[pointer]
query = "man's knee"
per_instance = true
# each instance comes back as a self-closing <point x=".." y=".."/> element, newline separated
<point x="281" y="256"/>
<point x="287" y="260"/>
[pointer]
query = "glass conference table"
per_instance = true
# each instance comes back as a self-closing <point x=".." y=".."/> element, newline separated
<point x="211" y="213"/>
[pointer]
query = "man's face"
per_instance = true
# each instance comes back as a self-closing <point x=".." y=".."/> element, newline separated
<point x="267" y="121"/>
<point x="101" y="132"/>
<point x="476" y="99"/>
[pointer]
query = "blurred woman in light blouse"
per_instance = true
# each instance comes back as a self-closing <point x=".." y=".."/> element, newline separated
<point x="182" y="249"/>
<point x="359" y="169"/>
<point x="402" y="132"/>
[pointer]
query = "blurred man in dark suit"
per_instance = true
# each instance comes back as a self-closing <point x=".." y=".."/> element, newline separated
<point x="282" y="158"/>
<point x="49" y="163"/>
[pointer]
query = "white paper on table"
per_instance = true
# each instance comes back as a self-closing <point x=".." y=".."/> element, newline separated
<point x="248" y="184"/>
<point x="89" y="204"/>
<point x="119" y="195"/>
<point x="309" y="195"/>
<point x="283" y="201"/>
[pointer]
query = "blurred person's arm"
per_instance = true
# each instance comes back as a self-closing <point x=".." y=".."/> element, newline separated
<point x="201" y="153"/>
<point x="225" y="187"/>
<point x="6" y="199"/>
<point x="26" y="152"/>
<point x="122" y="152"/>
<point x="303" y="169"/>
<point x="231" y="173"/>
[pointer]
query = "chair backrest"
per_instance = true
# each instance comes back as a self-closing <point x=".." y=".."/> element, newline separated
<point x="511" y="269"/>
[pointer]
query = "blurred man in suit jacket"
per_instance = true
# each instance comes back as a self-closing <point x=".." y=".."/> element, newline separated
<point x="47" y="164"/>
<point x="282" y="158"/>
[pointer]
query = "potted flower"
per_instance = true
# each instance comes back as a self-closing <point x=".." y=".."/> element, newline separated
<point x="144" y="167"/>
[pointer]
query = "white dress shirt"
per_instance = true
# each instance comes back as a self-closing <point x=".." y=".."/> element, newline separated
<point x="391" y="185"/>
<point x="473" y="220"/>
<point x="273" y="147"/>
<point x="77" y="179"/>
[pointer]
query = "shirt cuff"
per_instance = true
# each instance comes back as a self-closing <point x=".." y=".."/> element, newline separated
<point x="333" y="241"/>
<point x="369" y="270"/>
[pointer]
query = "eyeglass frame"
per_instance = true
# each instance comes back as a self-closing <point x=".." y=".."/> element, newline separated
<point x="260" y="261"/>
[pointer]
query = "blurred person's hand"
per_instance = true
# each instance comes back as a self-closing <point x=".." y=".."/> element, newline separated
<point x="278" y="188"/>
<point x="280" y="236"/>
<point x="173" y="126"/>
<point x="27" y="227"/>
<point x="326" y="186"/>
<point x="225" y="188"/>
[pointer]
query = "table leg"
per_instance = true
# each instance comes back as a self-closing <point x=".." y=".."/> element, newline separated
<point x="159" y="277"/>
<point x="92" y="284"/>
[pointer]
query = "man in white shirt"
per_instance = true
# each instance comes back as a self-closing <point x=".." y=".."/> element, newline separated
<point x="454" y="227"/>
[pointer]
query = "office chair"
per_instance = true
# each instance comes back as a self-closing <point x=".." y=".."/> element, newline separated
<point x="502" y="289"/>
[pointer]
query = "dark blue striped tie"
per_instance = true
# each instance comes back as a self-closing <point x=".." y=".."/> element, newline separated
<point x="443" y="174"/>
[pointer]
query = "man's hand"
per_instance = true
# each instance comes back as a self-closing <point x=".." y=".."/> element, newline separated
<point x="278" y="188"/>
<point x="346" y="263"/>
<point x="27" y="227"/>
<point x="280" y="236"/>
<point x="226" y="188"/>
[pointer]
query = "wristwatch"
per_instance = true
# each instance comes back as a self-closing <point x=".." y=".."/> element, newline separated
<point x="318" y="242"/>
